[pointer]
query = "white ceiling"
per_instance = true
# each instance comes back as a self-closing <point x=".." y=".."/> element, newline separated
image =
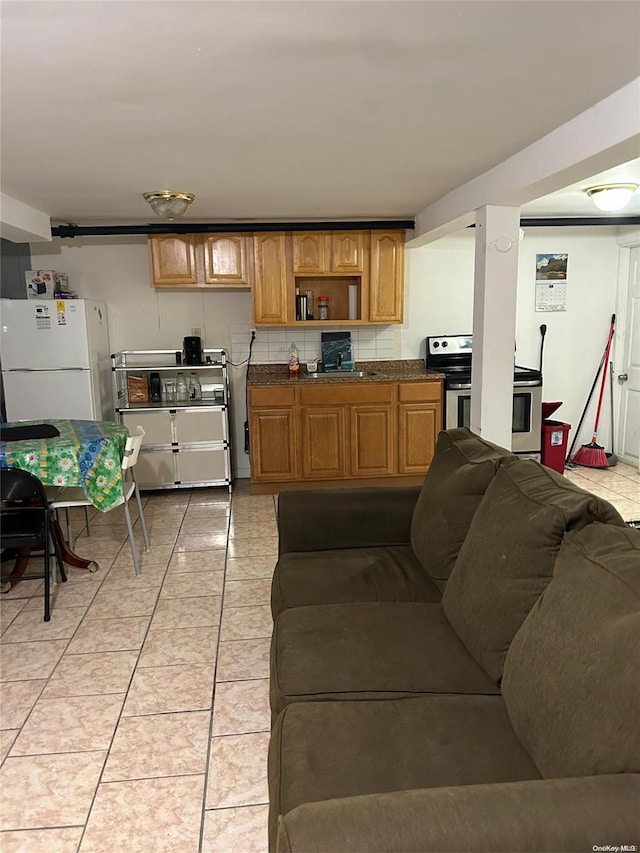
<point x="295" y="110"/>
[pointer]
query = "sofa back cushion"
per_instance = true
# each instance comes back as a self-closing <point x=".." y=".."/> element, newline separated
<point x="572" y="675"/>
<point x="507" y="559"/>
<point x="463" y="465"/>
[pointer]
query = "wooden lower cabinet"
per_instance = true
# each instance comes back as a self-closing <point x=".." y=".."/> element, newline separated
<point x="418" y="428"/>
<point x="419" y="422"/>
<point x="323" y="443"/>
<point x="273" y="441"/>
<point x="343" y="431"/>
<point x="373" y="438"/>
<point x="273" y="445"/>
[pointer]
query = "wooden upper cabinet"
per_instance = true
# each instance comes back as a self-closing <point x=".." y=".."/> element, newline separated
<point x="173" y="260"/>
<point x="386" y="282"/>
<point x="347" y="251"/>
<point x="322" y="252"/>
<point x="227" y="259"/>
<point x="311" y="252"/>
<point x="270" y="290"/>
<point x="201" y="260"/>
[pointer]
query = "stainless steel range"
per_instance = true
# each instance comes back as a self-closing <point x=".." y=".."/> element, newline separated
<point x="451" y="355"/>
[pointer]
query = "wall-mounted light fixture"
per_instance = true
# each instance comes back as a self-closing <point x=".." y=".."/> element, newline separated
<point x="611" y="197"/>
<point x="168" y="203"/>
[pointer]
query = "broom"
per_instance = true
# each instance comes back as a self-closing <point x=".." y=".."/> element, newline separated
<point x="593" y="455"/>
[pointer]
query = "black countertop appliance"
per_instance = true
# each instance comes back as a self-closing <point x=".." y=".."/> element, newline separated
<point x="193" y="350"/>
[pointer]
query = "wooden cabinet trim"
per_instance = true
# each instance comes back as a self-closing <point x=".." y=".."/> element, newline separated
<point x="347" y="394"/>
<point x="420" y="391"/>
<point x="273" y="395"/>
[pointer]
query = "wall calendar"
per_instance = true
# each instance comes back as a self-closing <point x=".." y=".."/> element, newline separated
<point x="551" y="282"/>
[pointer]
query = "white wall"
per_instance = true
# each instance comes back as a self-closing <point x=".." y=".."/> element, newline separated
<point x="440" y="301"/>
<point x="439" y="297"/>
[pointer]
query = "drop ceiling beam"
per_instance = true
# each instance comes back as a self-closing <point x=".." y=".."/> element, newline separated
<point x="20" y="223"/>
<point x="600" y="138"/>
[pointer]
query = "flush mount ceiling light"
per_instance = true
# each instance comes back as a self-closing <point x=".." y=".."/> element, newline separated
<point x="611" y="197"/>
<point x="168" y="203"/>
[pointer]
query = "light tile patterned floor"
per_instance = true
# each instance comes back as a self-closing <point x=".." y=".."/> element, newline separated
<point x="111" y="734"/>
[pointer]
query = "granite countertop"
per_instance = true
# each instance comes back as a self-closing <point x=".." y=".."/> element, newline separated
<point x="402" y="370"/>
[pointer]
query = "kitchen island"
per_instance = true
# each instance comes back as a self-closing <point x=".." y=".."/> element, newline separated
<point x="343" y="429"/>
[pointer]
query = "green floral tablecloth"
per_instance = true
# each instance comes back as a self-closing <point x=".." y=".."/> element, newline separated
<point x="86" y="453"/>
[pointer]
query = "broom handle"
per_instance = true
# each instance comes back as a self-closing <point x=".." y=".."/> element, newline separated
<point x="604" y="379"/>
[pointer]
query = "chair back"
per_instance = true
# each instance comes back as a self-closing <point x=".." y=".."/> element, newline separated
<point x="132" y="449"/>
<point x="19" y="485"/>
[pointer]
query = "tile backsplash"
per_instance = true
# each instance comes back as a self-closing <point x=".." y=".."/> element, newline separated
<point x="271" y="345"/>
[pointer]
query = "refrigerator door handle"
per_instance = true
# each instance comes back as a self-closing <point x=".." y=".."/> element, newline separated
<point x="45" y="369"/>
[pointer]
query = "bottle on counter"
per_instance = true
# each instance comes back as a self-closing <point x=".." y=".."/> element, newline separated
<point x="294" y="360"/>
<point x="182" y="393"/>
<point x="195" y="389"/>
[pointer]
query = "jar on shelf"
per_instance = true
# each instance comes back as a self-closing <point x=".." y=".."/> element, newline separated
<point x="182" y="393"/>
<point x="195" y="389"/>
<point x="323" y="307"/>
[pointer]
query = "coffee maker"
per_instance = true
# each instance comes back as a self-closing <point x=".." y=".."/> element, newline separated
<point x="193" y="350"/>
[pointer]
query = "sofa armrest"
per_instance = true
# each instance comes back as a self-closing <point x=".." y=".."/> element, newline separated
<point x="578" y="814"/>
<point x="326" y="519"/>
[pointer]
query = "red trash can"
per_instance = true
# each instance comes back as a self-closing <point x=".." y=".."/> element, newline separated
<point x="555" y="439"/>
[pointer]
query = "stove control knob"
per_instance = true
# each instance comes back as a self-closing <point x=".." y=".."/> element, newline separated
<point x="445" y="344"/>
<point x="436" y="344"/>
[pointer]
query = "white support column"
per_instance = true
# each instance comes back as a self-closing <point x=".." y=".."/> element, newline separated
<point x="494" y="322"/>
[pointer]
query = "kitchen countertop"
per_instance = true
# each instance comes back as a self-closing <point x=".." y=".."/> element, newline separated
<point x="401" y="370"/>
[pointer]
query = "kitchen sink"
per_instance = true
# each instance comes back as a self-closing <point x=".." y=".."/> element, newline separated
<point x="343" y="374"/>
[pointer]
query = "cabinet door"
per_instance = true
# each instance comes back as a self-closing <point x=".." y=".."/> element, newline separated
<point x="156" y="468"/>
<point x="372" y="441"/>
<point x="324" y="440"/>
<point x="198" y="425"/>
<point x="202" y="466"/>
<point x="157" y="426"/>
<point x="270" y="290"/>
<point x="310" y="252"/>
<point x="386" y="281"/>
<point x="347" y="251"/>
<point x="273" y="445"/>
<point x="418" y="427"/>
<point x="173" y="260"/>
<point x="226" y="260"/>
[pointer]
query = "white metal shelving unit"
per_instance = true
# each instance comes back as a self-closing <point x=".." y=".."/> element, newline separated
<point x="186" y="444"/>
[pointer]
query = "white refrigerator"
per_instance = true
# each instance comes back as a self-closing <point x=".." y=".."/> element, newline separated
<point x="55" y="359"/>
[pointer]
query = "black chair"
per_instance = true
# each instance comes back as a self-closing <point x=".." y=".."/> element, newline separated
<point x="26" y="522"/>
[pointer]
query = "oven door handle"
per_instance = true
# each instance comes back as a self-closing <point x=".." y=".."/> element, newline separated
<point x="459" y="386"/>
<point x="527" y="383"/>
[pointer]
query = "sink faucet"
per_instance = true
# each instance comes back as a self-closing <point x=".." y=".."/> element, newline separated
<point x="339" y="361"/>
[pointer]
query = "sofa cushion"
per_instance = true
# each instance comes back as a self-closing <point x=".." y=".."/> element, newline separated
<point x="462" y="467"/>
<point x="355" y="574"/>
<point x="369" y="651"/>
<point x="508" y="556"/>
<point x="572" y="675"/>
<point x="322" y="750"/>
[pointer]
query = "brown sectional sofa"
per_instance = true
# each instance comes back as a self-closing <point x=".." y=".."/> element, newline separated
<point x="456" y="667"/>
